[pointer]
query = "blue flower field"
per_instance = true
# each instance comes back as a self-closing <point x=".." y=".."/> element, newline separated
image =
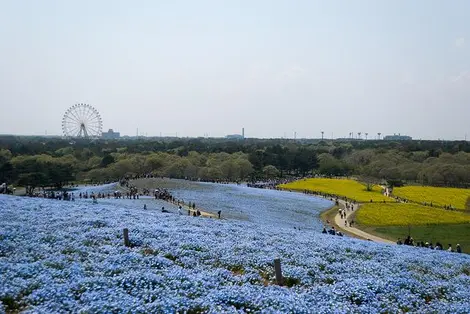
<point x="58" y="257"/>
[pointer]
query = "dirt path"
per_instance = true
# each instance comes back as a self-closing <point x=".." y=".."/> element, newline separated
<point x="340" y="222"/>
<point x="192" y="211"/>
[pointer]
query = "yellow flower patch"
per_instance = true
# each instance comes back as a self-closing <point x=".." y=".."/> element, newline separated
<point x="342" y="187"/>
<point x="441" y="197"/>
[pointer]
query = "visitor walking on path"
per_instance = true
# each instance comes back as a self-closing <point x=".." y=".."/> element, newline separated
<point x="352" y="230"/>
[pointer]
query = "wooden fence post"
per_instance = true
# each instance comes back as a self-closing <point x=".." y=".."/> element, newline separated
<point x="277" y="268"/>
<point x="126" y="237"/>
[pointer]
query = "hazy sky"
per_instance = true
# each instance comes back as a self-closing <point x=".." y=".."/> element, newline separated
<point x="273" y="67"/>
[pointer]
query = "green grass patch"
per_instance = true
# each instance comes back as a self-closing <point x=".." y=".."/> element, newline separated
<point x="443" y="233"/>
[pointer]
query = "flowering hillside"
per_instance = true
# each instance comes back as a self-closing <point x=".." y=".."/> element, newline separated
<point x="58" y="256"/>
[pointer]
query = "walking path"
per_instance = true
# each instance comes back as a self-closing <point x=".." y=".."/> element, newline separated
<point x="340" y="223"/>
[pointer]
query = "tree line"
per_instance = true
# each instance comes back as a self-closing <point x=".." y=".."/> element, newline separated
<point x="52" y="162"/>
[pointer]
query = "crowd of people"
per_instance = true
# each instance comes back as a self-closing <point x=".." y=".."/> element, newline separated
<point x="429" y="204"/>
<point x="332" y="231"/>
<point x="410" y="242"/>
<point x="272" y="184"/>
<point x="5" y="189"/>
<point x="58" y="195"/>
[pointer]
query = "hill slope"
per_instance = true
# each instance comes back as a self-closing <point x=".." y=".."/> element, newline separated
<point x="60" y="256"/>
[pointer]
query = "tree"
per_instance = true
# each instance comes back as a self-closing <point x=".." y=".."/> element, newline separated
<point x="58" y="174"/>
<point x="331" y="166"/>
<point x="107" y="160"/>
<point x="5" y="156"/>
<point x="153" y="163"/>
<point x="245" y="168"/>
<point x="257" y="159"/>
<point x="369" y="182"/>
<point x="32" y="180"/>
<point x="270" y="172"/>
<point x="122" y="168"/>
<point x="7" y="172"/>
<point x="305" y="160"/>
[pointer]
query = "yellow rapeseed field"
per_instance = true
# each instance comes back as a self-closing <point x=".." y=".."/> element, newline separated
<point x="438" y="196"/>
<point x="402" y="214"/>
<point x="342" y="187"/>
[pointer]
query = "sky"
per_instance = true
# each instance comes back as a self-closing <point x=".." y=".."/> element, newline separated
<point x="211" y="67"/>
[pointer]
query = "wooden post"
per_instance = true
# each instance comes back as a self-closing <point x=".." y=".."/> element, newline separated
<point x="126" y="237"/>
<point x="277" y="268"/>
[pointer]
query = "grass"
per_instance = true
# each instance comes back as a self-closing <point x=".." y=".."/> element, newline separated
<point x="403" y="214"/>
<point x="458" y="198"/>
<point x="443" y="233"/>
<point x="350" y="189"/>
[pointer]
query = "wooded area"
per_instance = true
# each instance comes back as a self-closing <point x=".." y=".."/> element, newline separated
<point x="52" y="162"/>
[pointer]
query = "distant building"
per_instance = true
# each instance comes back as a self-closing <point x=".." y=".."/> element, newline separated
<point x="234" y="136"/>
<point x="110" y="134"/>
<point x="398" y="137"/>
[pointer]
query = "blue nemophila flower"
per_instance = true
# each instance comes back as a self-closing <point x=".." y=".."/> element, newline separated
<point x="69" y="257"/>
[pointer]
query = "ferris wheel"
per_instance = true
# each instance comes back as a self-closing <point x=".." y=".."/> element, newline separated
<point x="82" y="120"/>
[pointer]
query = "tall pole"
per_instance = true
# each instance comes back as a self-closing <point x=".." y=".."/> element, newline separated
<point x="366" y="135"/>
<point x="322" y="135"/>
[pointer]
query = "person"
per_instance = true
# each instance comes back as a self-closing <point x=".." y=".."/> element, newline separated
<point x="449" y="249"/>
<point x="219" y="212"/>
<point x="145" y="206"/>
<point x="458" y="249"/>
<point x="324" y="231"/>
<point x="179" y="209"/>
<point x="164" y="210"/>
<point x="399" y="242"/>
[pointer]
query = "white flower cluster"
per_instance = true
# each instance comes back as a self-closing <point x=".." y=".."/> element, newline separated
<point x="58" y="257"/>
